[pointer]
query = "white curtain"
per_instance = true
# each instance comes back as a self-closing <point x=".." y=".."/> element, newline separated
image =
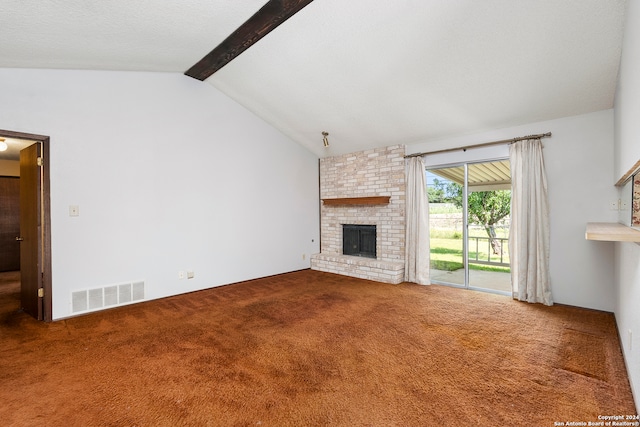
<point x="529" y="234"/>
<point x="416" y="264"/>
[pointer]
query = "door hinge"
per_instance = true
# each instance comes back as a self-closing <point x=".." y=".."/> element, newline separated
<point x="41" y="293"/>
<point x="39" y="161"/>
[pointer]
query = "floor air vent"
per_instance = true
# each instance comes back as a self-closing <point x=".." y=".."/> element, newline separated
<point x="109" y="296"/>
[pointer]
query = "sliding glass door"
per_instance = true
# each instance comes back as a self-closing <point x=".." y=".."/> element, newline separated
<point x="469" y="212"/>
<point x="446" y="225"/>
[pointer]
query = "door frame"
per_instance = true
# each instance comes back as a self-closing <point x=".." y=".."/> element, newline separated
<point x="46" y="226"/>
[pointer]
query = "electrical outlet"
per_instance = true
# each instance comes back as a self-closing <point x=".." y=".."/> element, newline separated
<point x="180" y="274"/>
<point x="74" y="210"/>
<point x="190" y="275"/>
<point x="304" y="256"/>
<point x="614" y="206"/>
<point x="624" y="206"/>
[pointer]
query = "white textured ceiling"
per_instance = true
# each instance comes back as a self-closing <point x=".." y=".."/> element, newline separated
<point x="369" y="72"/>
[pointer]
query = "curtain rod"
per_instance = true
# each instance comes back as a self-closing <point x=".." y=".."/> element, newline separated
<point x="486" y="144"/>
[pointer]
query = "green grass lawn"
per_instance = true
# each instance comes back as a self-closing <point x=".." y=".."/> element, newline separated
<point x="446" y="254"/>
<point x="444" y="208"/>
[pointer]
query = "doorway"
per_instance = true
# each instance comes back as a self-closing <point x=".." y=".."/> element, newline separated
<point x="35" y="264"/>
<point x="469" y="217"/>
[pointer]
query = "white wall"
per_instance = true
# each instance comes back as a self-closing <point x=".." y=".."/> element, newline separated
<point x="169" y="174"/>
<point x="627" y="152"/>
<point x="579" y="165"/>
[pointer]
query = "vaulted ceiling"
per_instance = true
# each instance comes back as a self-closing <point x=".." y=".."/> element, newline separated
<point x="369" y="72"/>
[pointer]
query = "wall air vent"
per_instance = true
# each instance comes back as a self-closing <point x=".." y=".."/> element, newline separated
<point x="137" y="291"/>
<point x="95" y="299"/>
<point x="79" y="301"/>
<point x="109" y="296"/>
<point x="124" y="293"/>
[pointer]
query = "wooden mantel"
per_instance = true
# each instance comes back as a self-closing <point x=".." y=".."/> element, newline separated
<point x="350" y="201"/>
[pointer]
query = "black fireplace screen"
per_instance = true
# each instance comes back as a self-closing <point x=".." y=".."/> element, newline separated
<point x="359" y="240"/>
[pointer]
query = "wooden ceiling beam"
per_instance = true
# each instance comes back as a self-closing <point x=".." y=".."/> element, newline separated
<point x="272" y="14"/>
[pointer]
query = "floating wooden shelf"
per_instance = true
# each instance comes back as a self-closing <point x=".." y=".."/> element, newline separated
<point x="350" y="201"/>
<point x="611" y="232"/>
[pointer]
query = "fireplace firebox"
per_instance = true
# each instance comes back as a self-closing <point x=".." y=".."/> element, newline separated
<point x="359" y="240"/>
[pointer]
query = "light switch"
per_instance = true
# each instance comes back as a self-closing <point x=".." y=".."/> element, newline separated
<point x="74" y="210"/>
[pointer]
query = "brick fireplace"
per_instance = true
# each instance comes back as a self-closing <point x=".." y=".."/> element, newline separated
<point x="364" y="188"/>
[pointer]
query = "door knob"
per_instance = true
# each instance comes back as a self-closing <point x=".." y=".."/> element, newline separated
<point x="19" y="239"/>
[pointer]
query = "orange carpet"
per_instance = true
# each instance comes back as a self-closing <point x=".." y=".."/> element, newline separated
<point x="312" y="349"/>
